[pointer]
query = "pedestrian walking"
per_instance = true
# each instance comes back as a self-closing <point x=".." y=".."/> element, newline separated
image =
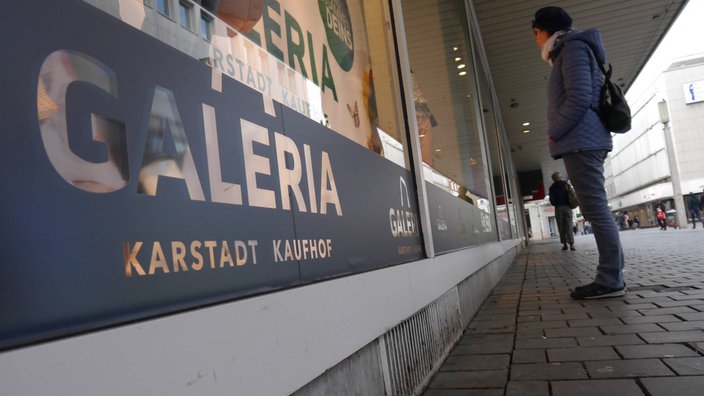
<point x="694" y="209"/>
<point x="563" y="212"/>
<point x="660" y="214"/>
<point x="578" y="137"/>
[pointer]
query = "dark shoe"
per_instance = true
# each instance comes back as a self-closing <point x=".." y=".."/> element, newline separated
<point x="593" y="290"/>
<point x="564" y="247"/>
<point x="572" y="248"/>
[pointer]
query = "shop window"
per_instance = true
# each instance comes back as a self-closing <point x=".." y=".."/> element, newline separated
<point x="340" y="72"/>
<point x="449" y="124"/>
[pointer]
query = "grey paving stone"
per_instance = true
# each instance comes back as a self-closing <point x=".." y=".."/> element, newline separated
<point x="551" y="324"/>
<point x="492" y="326"/>
<point x="683" y="326"/>
<point x="622" y="314"/>
<point x="476" y="362"/>
<point x="544" y="343"/>
<point x="581" y="354"/>
<point x="671" y="386"/>
<point x="547" y="371"/>
<point x="538" y="312"/>
<point x="528" y="388"/>
<point x="485" y="344"/>
<point x="673" y="336"/>
<point x="620" y="387"/>
<point x="654" y="351"/>
<point x="595" y="322"/>
<point x="493" y="315"/>
<point x="464" y="392"/>
<point x="633" y="328"/>
<point x="633" y="306"/>
<point x="686" y="365"/>
<point x="667" y="311"/>
<point x="572" y="332"/>
<point x="692" y="316"/>
<point x="677" y="303"/>
<point x="620" y="339"/>
<point x="627" y="368"/>
<point x="530" y="333"/>
<point x="565" y="316"/>
<point x="529" y="318"/>
<point x="529" y="356"/>
<point x="651" y="319"/>
<point x="469" y="379"/>
<point x="698" y="295"/>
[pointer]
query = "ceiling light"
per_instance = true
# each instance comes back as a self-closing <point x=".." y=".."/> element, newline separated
<point x="461" y="66"/>
<point x="437" y="150"/>
<point x="462" y="73"/>
<point x="455" y="48"/>
<point x="526" y="123"/>
<point x="526" y="131"/>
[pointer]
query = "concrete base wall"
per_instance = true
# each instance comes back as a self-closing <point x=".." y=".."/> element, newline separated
<point x="369" y="371"/>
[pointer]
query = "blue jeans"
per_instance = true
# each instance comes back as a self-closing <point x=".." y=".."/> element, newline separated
<point x="586" y="172"/>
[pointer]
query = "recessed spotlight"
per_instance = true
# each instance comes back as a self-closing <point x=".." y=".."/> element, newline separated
<point x="437" y="150"/>
<point x="457" y="59"/>
<point x="462" y="73"/>
<point x="526" y="131"/>
<point x="461" y="66"/>
<point x="526" y="123"/>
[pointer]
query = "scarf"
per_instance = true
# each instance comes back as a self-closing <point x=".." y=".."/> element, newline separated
<point x="550" y="44"/>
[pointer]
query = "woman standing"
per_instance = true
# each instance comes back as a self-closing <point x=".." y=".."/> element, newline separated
<point x="578" y="136"/>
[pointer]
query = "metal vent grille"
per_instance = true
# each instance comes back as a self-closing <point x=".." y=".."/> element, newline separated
<point x="411" y="350"/>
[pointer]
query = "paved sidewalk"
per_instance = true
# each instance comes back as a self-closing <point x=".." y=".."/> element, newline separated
<point x="530" y="338"/>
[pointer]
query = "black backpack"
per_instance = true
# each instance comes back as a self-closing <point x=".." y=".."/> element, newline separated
<point x="613" y="108"/>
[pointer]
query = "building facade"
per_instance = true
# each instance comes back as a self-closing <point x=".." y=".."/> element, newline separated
<point x="659" y="160"/>
<point x="306" y="203"/>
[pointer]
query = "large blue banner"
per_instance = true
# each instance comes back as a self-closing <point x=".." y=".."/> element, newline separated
<point x="138" y="181"/>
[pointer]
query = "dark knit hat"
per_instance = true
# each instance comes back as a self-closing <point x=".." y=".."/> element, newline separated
<point x="552" y="19"/>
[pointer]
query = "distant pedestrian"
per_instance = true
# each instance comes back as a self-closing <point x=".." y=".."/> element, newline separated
<point x="636" y="221"/>
<point x="660" y="214"/>
<point x="578" y="137"/>
<point x="563" y="212"/>
<point x="694" y="211"/>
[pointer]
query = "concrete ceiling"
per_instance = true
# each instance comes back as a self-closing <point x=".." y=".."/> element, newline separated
<point x="630" y="29"/>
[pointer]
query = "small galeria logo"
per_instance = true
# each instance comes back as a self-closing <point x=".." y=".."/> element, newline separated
<point x="402" y="219"/>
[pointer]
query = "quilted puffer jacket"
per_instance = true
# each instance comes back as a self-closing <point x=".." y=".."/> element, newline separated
<point x="573" y="94"/>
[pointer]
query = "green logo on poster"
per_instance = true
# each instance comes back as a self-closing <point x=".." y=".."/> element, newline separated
<point x="338" y="28"/>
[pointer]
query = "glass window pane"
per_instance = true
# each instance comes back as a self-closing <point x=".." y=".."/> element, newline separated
<point x="506" y="217"/>
<point x="184" y="15"/>
<point x="449" y="127"/>
<point x="341" y="72"/>
<point x="205" y="27"/>
<point x="163" y="6"/>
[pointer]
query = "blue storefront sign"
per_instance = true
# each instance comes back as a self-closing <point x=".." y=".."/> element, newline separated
<point x="134" y="186"/>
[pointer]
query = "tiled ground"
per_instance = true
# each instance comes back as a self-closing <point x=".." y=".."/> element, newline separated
<point x="531" y="339"/>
